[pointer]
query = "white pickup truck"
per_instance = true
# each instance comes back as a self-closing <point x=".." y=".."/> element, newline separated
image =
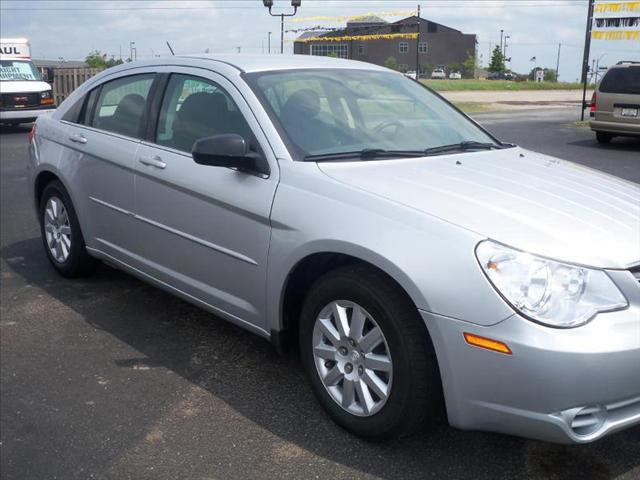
<point x="23" y="93"/>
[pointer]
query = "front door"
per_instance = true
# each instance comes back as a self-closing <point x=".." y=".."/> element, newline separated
<point x="205" y="230"/>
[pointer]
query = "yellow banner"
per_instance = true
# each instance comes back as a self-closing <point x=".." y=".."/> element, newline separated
<point x="616" y="35"/>
<point x="617" y="7"/>
<point x="347" y="38"/>
<point x="348" y="18"/>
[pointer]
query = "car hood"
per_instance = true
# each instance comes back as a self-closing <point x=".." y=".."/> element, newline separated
<point x="23" y="86"/>
<point x="527" y="200"/>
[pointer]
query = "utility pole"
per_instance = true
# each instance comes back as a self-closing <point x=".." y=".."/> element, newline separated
<point x="587" y="50"/>
<point x="269" y="43"/>
<point x="504" y="49"/>
<point x="558" y="64"/>
<point x="501" y="34"/>
<point x="418" y="47"/>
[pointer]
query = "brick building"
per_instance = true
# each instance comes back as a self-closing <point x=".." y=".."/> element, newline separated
<point x="438" y="44"/>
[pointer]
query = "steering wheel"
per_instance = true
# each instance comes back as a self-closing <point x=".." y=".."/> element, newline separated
<point x="389" y="124"/>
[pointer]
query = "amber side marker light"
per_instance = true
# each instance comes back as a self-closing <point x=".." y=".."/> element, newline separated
<point x="487" y="343"/>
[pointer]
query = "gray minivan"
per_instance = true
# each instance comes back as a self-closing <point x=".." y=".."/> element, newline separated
<point x="615" y="105"/>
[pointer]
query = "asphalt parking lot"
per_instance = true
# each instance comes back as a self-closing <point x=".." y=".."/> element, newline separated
<point x="107" y="377"/>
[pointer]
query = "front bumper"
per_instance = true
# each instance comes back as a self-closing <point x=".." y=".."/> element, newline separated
<point x="24" y="115"/>
<point x="559" y="385"/>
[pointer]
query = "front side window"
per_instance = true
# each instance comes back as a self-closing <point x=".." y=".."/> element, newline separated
<point x="404" y="47"/>
<point x="325" y="111"/>
<point x="195" y="108"/>
<point x="121" y="104"/>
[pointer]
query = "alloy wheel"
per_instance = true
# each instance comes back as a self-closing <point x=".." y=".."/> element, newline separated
<point x="57" y="229"/>
<point x="352" y="358"/>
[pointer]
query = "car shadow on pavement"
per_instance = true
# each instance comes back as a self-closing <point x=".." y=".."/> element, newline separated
<point x="627" y="144"/>
<point x="270" y="391"/>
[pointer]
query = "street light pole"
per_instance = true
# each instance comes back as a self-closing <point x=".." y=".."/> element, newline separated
<point x="558" y="64"/>
<point x="269" y="43"/>
<point x="269" y="4"/>
<point x="585" y="58"/>
<point x="418" y="47"/>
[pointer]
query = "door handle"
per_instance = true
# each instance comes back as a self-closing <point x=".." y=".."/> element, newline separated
<point x="78" y="138"/>
<point x="154" y="161"/>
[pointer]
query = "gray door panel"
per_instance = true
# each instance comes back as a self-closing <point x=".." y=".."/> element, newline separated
<point x="205" y="230"/>
<point x="102" y="169"/>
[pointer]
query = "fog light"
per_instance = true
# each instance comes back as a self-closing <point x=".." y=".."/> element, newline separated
<point x="588" y="420"/>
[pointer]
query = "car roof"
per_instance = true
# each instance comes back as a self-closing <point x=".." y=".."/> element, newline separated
<point x="258" y="63"/>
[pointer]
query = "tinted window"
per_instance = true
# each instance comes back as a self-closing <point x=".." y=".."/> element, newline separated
<point x="621" y="80"/>
<point x="121" y="104"/>
<point x="194" y="108"/>
<point x="73" y="114"/>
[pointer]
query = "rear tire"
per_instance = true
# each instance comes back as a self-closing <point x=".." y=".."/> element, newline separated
<point x="604" y="138"/>
<point x="61" y="235"/>
<point x="411" y="391"/>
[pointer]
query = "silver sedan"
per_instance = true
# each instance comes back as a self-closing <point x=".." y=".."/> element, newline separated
<point x="417" y="263"/>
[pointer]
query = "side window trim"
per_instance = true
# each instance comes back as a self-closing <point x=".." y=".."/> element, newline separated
<point x="88" y="110"/>
<point x="151" y="116"/>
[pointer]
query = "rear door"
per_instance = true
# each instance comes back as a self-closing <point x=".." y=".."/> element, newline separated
<point x="205" y="230"/>
<point x="100" y="160"/>
<point x="618" y="97"/>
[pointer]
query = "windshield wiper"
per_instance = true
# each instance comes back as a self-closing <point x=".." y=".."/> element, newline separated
<point x="463" y="147"/>
<point x="364" y="154"/>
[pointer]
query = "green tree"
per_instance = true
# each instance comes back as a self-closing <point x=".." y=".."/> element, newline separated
<point x="96" y="59"/>
<point x="391" y="63"/>
<point x="550" y="75"/>
<point x="469" y="67"/>
<point x="497" y="60"/>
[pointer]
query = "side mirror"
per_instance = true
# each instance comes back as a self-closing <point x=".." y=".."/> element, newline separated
<point x="49" y="71"/>
<point x="228" y="150"/>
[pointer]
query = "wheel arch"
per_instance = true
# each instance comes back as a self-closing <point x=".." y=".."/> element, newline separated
<point x="310" y="267"/>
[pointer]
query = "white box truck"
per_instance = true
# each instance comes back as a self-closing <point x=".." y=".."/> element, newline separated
<point x="23" y="93"/>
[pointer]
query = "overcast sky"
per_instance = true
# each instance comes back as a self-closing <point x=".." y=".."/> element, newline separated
<point x="71" y="29"/>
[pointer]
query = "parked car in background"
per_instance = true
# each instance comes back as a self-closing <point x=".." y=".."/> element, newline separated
<point x="23" y="93"/>
<point x="615" y="105"/>
<point x="455" y="76"/>
<point x="438" y="74"/>
<point x="500" y="76"/>
<point x="414" y="259"/>
<point x="412" y="74"/>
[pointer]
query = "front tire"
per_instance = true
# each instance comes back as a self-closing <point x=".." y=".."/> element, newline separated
<point x="368" y="355"/>
<point x="61" y="235"/>
<point x="604" y="138"/>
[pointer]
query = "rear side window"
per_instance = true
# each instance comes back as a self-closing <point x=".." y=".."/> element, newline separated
<point x="621" y="80"/>
<point x="121" y="105"/>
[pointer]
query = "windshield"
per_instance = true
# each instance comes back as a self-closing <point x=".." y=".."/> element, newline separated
<point x="328" y="111"/>
<point x="18" y="70"/>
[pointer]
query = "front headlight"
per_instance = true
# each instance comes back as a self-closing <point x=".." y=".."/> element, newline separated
<point x="549" y="292"/>
<point x="45" y="94"/>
